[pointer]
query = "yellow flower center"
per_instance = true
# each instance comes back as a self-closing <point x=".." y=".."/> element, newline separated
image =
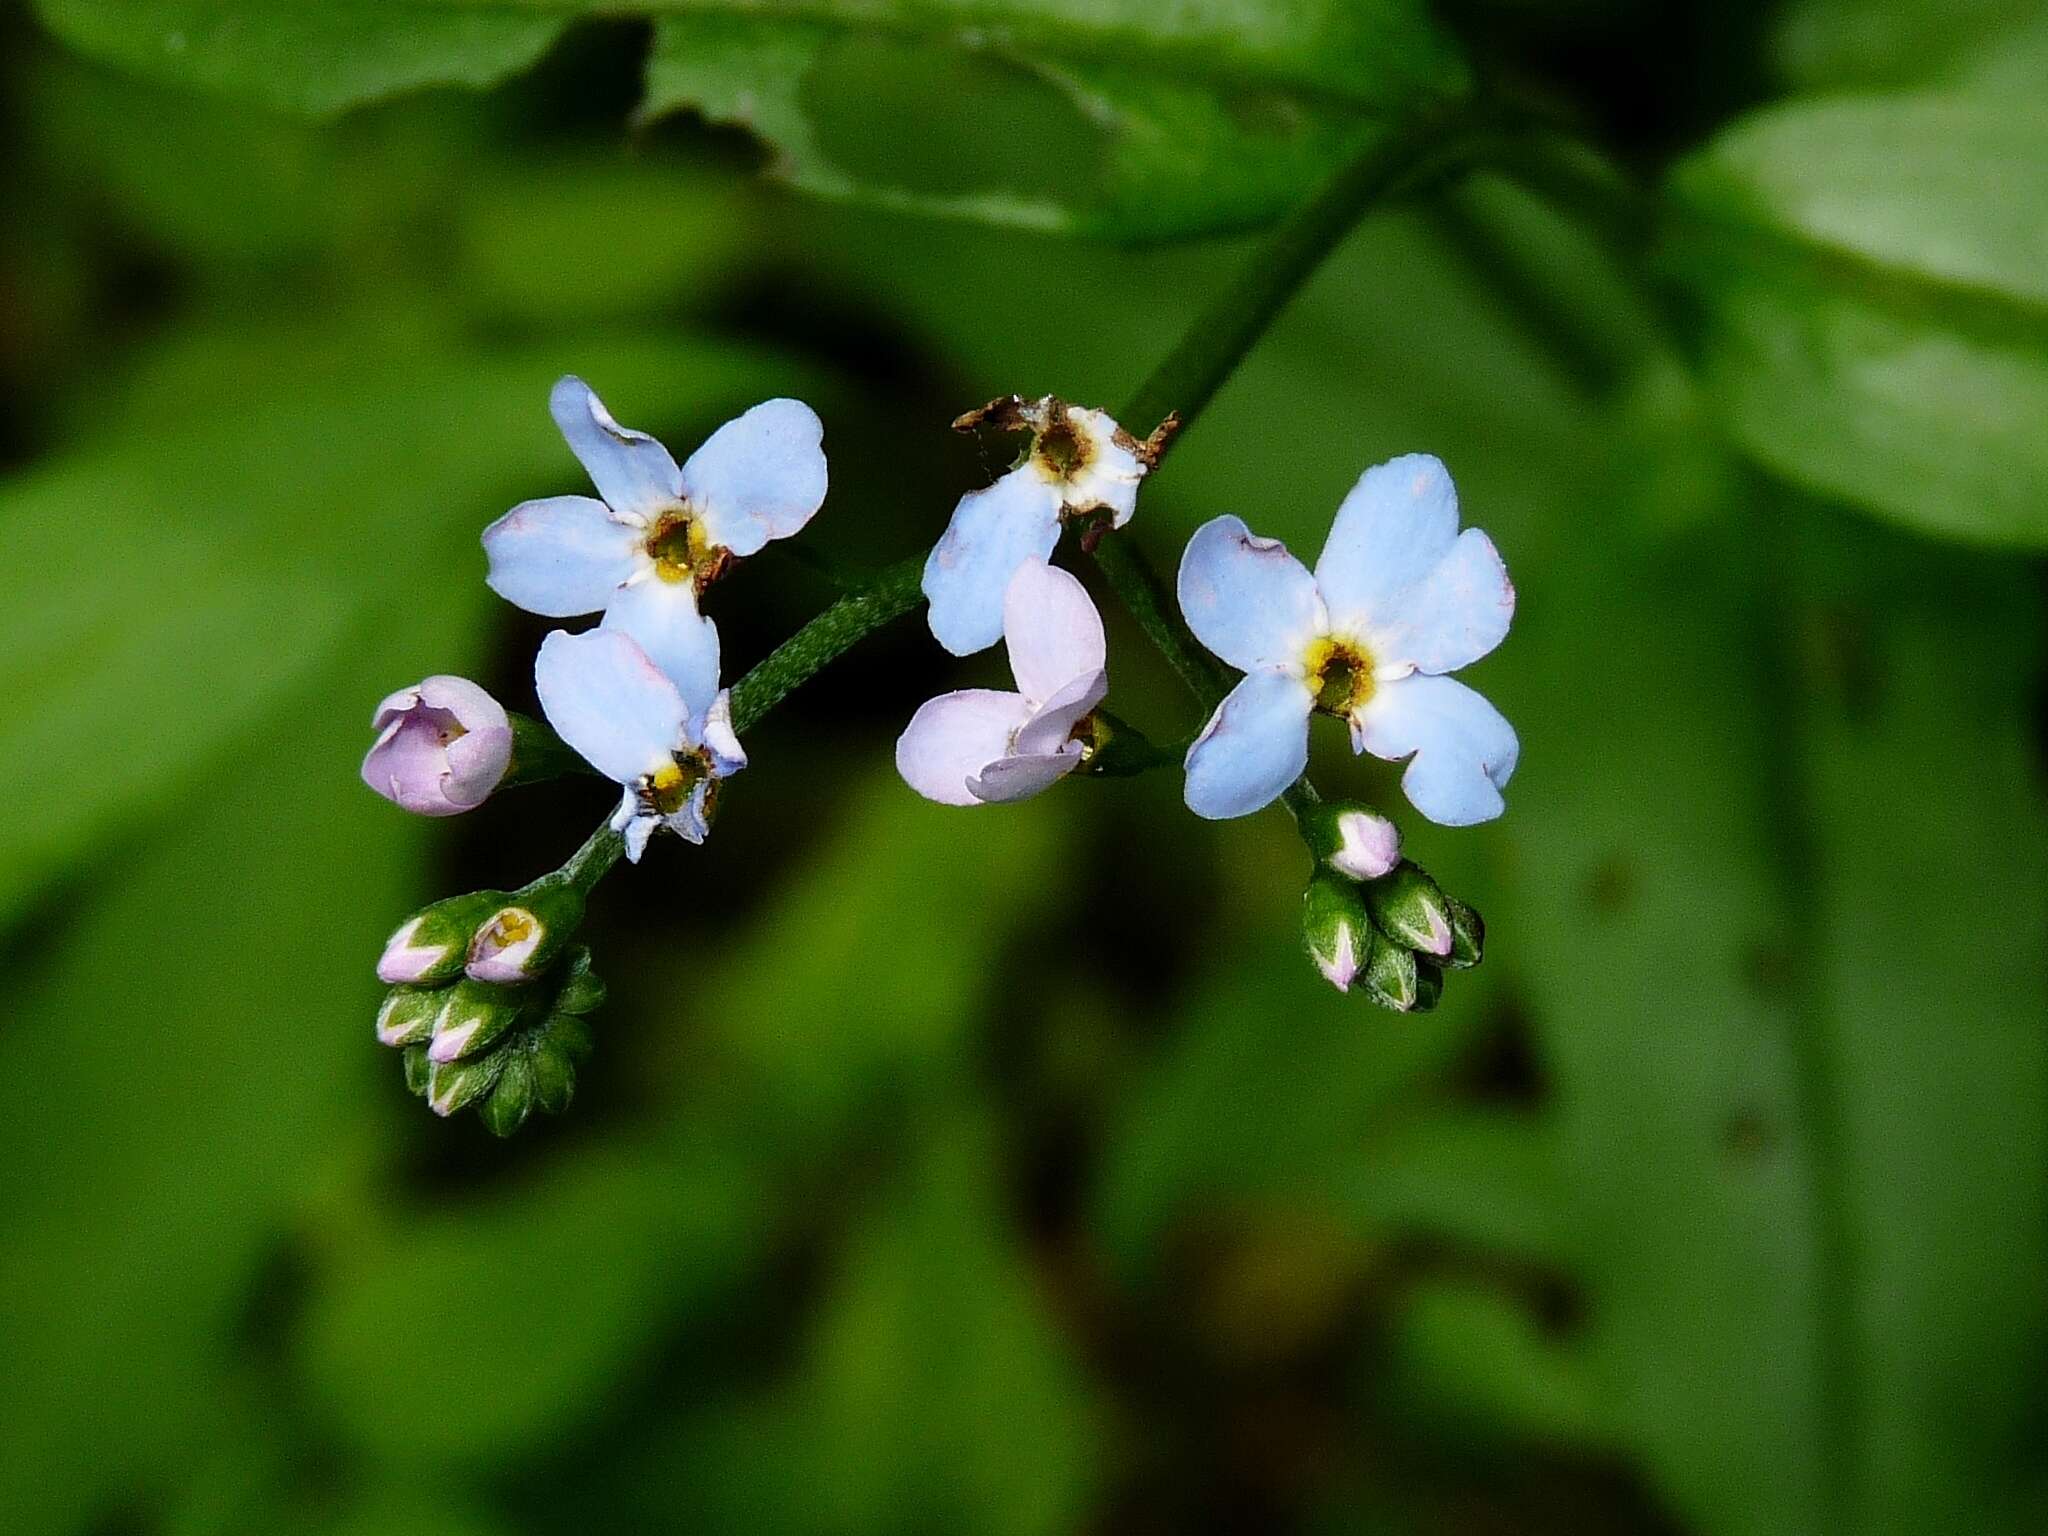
<point x="668" y="788"/>
<point x="1341" y="674"/>
<point x="679" y="547"/>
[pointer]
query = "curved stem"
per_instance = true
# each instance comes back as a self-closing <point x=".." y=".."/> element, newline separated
<point x="890" y="593"/>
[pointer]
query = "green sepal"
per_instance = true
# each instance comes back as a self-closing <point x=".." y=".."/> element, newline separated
<point x="571" y="1035"/>
<point x="538" y="754"/>
<point x="418" y="1069"/>
<point x="582" y="990"/>
<point x="1429" y="984"/>
<point x="1390" y="974"/>
<point x="453" y="1085"/>
<point x="1411" y="910"/>
<point x="475" y="1015"/>
<point x="554" y="1075"/>
<point x="511" y="1100"/>
<point x="1335" y="929"/>
<point x="1468" y="936"/>
<point x="407" y="1015"/>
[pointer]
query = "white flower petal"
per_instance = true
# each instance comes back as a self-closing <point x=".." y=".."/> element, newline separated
<point x="1450" y="618"/>
<point x="1110" y="477"/>
<point x="953" y="737"/>
<point x="1025" y="775"/>
<point x="692" y="823"/>
<point x="993" y="531"/>
<point x="631" y="471"/>
<point x="1464" y="751"/>
<point x="1052" y="722"/>
<point x="1052" y="629"/>
<point x="1398" y="521"/>
<point x="760" y="476"/>
<point x="1254" y="746"/>
<point x="560" y="556"/>
<point x="718" y="738"/>
<point x="1247" y="598"/>
<point x="608" y="701"/>
<point x="662" y="618"/>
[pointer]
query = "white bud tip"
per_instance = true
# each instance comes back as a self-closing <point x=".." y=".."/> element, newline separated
<point x="1439" y="941"/>
<point x="450" y="1044"/>
<point x="503" y="946"/>
<point x="1367" y="847"/>
<point x="405" y="961"/>
<point x="1341" y="964"/>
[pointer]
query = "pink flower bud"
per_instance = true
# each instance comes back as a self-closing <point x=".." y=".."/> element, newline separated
<point x="441" y="747"/>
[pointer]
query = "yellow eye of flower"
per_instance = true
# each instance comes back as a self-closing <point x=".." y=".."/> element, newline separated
<point x="678" y="546"/>
<point x="1341" y="674"/>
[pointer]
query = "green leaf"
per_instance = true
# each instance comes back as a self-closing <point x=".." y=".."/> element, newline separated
<point x="316" y="59"/>
<point x="1121" y="119"/>
<point x="934" y="1392"/>
<point x="1781" y="906"/>
<point x="1145" y="124"/>
<point x="1834" y="43"/>
<point x="1871" y="282"/>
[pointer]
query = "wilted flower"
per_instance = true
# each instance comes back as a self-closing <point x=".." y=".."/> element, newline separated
<point x="668" y="746"/>
<point x="1398" y="599"/>
<point x="661" y="534"/>
<point x="1080" y="464"/>
<point x="980" y="744"/>
<point x="442" y="746"/>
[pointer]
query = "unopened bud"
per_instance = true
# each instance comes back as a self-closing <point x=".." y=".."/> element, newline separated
<point x="453" y="1085"/>
<point x="417" y="1069"/>
<point x="582" y="991"/>
<point x="1468" y="936"/>
<point x="512" y="1098"/>
<point x="473" y="1016"/>
<point x="1391" y="975"/>
<point x="407" y="1015"/>
<point x="1335" y="929"/>
<point x="554" y="1075"/>
<point x="1352" y="840"/>
<point x="1410" y="909"/>
<point x="1429" y="984"/>
<point x="433" y="944"/>
<point x="442" y="746"/>
<point x="523" y="938"/>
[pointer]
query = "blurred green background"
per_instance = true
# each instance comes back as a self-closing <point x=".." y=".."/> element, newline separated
<point x="1011" y="1172"/>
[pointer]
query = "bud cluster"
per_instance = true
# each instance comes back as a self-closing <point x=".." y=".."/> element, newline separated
<point x="1372" y="918"/>
<point x="487" y="1001"/>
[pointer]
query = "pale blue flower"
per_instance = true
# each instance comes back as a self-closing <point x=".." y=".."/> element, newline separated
<point x="981" y="744"/>
<point x="668" y="748"/>
<point x="1399" y="598"/>
<point x="1080" y="465"/>
<point x="661" y="533"/>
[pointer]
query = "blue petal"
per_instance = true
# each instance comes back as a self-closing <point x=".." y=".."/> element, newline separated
<point x="662" y="616"/>
<point x="1453" y="616"/>
<point x="993" y="531"/>
<point x="630" y="469"/>
<point x="1464" y="750"/>
<point x="1391" y="531"/>
<point x="1246" y="598"/>
<point x="562" y="556"/>
<point x="758" y="477"/>
<point x="1254" y="746"/>
<point x="608" y="701"/>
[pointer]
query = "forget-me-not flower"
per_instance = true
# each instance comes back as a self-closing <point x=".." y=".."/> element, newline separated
<point x="1080" y="465"/>
<point x="668" y="747"/>
<point x="661" y="534"/>
<point x="1399" y="598"/>
<point x="442" y="746"/>
<point x="981" y="744"/>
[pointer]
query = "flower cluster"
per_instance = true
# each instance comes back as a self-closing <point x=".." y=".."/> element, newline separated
<point x="488" y="990"/>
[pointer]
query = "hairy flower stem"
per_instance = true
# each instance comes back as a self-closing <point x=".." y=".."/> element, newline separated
<point x="1432" y="146"/>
